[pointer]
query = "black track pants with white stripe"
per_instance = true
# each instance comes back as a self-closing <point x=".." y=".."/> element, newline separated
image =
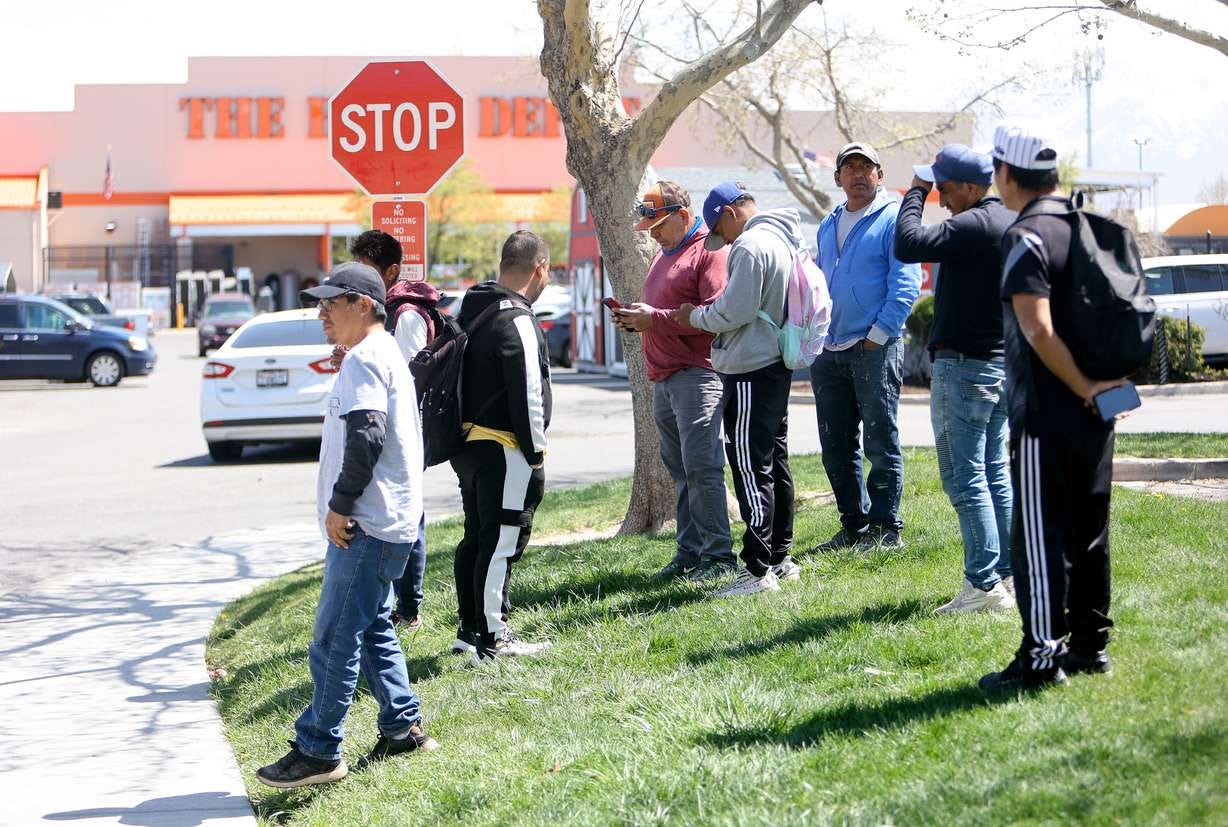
<point x="500" y="493"/>
<point x="756" y="424"/>
<point x="1060" y="542"/>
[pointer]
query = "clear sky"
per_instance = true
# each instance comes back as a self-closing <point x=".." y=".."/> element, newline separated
<point x="1155" y="87"/>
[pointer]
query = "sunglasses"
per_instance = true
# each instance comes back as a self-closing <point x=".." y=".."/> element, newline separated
<point x="647" y="210"/>
<point x="328" y="305"/>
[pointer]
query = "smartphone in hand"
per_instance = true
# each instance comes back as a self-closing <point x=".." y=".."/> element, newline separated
<point x="1116" y="401"/>
<point x="611" y="303"/>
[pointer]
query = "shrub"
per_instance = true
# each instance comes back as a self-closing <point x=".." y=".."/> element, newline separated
<point x="1181" y="343"/>
<point x="921" y="321"/>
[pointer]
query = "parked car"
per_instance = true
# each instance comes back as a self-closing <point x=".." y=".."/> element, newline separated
<point x="1194" y="287"/>
<point x="41" y="338"/>
<point x="269" y="382"/>
<point x="553" y="311"/>
<point x="222" y="315"/>
<point x="96" y="308"/>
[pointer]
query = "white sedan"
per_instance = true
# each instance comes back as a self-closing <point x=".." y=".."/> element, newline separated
<point x="268" y="383"/>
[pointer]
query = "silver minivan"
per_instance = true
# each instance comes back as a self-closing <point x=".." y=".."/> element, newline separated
<point x="1193" y="287"/>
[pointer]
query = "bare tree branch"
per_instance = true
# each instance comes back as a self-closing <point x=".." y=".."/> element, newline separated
<point x="655" y="119"/>
<point x="1167" y="24"/>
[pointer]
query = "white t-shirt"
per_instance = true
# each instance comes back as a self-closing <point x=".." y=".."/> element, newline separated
<point x="375" y="377"/>
<point x="411" y="333"/>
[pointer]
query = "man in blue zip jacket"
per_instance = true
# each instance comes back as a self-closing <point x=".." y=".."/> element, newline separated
<point x="856" y="379"/>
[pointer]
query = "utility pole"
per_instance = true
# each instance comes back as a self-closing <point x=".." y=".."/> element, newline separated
<point x="1089" y="68"/>
<point x="1140" y="143"/>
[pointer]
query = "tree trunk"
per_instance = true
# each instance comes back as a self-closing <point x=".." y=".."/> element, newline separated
<point x="611" y="184"/>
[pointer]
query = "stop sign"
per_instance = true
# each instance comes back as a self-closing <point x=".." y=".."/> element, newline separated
<point x="397" y="127"/>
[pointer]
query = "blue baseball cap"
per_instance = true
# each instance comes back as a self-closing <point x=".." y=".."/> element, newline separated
<point x="956" y="162"/>
<point x="721" y="196"/>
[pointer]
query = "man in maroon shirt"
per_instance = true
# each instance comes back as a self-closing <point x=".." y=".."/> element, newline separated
<point x="686" y="390"/>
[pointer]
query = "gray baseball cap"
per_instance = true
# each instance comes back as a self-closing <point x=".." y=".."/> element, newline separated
<point x="350" y="277"/>
<point x="858" y="148"/>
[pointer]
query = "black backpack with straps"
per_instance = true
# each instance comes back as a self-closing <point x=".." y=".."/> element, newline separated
<point x="1107" y="319"/>
<point x="438" y="371"/>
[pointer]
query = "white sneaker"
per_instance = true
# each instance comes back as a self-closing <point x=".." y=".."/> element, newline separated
<point x="972" y="599"/>
<point x="511" y="647"/>
<point x="463" y="647"/>
<point x="1008" y="583"/>
<point x="748" y="583"/>
<point x="788" y="569"/>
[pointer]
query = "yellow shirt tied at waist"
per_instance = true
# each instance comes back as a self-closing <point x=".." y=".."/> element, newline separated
<point x="475" y="433"/>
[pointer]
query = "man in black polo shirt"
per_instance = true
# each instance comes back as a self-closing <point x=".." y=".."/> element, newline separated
<point x="968" y="393"/>
<point x="1061" y="452"/>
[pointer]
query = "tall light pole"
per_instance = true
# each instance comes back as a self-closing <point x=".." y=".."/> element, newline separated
<point x="1088" y="69"/>
<point x="1140" y="143"/>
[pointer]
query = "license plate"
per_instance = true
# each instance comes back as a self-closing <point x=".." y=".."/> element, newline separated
<point x="272" y="378"/>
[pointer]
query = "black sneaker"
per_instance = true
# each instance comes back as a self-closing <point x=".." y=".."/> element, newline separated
<point x="675" y="571"/>
<point x="842" y="539"/>
<point x="1018" y="676"/>
<point x="417" y="739"/>
<point x="466" y="642"/>
<point x="1076" y="662"/>
<point x="294" y="769"/>
<point x="880" y="537"/>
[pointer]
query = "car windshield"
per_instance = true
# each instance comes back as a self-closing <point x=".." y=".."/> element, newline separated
<point x="292" y="333"/>
<point x="89" y="305"/>
<point x="229" y="308"/>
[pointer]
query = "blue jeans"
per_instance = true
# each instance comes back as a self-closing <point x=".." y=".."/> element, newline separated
<point x="687" y="409"/>
<point x="408" y="587"/>
<point x="354" y="632"/>
<point x="852" y="388"/>
<point x="968" y="409"/>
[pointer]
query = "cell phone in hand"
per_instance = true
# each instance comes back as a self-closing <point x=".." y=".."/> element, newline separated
<point x="612" y="303"/>
<point x="1116" y="401"/>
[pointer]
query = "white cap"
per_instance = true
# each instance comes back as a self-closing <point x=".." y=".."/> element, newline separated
<point x="1024" y="147"/>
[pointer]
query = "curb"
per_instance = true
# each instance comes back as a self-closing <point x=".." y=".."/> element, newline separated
<point x="1132" y="469"/>
<point x="1182" y="389"/>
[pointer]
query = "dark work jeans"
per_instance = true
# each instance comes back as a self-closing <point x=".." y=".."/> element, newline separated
<point x="408" y="587"/>
<point x="860" y="388"/>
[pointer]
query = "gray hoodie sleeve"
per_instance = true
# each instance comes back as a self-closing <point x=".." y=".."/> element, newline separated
<point x="739" y="304"/>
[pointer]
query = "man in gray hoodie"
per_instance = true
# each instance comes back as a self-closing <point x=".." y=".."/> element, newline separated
<point x="746" y="354"/>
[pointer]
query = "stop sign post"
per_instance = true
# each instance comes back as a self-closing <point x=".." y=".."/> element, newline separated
<point x="397" y="127"/>
<point x="406" y="222"/>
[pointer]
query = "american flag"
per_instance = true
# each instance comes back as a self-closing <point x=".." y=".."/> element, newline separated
<point x="108" y="180"/>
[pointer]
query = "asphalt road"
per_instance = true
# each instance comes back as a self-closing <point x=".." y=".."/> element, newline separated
<point x="89" y="474"/>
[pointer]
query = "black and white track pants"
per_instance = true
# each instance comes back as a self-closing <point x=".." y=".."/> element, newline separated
<point x="1060" y="542"/>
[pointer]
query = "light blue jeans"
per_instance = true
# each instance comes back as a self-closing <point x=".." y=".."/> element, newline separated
<point x="353" y="633"/>
<point x="687" y="408"/>
<point x="968" y="409"/>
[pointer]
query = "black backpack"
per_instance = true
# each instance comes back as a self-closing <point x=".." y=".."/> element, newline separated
<point x="438" y="371"/>
<point x="1107" y="319"/>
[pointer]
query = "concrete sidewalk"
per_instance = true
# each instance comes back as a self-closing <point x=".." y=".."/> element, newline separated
<point x="108" y="717"/>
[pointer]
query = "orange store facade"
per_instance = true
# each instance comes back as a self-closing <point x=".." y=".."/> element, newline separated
<point x="230" y="171"/>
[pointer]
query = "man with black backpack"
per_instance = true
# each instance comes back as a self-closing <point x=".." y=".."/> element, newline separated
<point x="1056" y="284"/>
<point x="413" y="321"/>
<point x="504" y="412"/>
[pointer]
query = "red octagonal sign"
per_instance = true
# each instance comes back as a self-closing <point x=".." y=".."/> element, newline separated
<point x="397" y="127"/>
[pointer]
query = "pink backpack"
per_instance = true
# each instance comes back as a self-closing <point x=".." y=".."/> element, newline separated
<point x="807" y="313"/>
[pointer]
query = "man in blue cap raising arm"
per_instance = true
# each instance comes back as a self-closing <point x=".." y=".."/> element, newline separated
<point x="968" y="392"/>
<point x="746" y="354"/>
<point x="857" y="377"/>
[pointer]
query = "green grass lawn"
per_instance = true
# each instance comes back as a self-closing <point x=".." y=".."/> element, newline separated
<point x="841" y="700"/>
<point x="1166" y="444"/>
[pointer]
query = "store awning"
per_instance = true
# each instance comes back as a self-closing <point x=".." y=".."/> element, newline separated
<point x="277" y="210"/>
<point x="1198" y="222"/>
<point x="19" y="192"/>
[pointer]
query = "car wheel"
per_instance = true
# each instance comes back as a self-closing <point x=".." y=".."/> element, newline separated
<point x="225" y="451"/>
<point x="104" y="369"/>
<point x="565" y="358"/>
<point x="203" y="350"/>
